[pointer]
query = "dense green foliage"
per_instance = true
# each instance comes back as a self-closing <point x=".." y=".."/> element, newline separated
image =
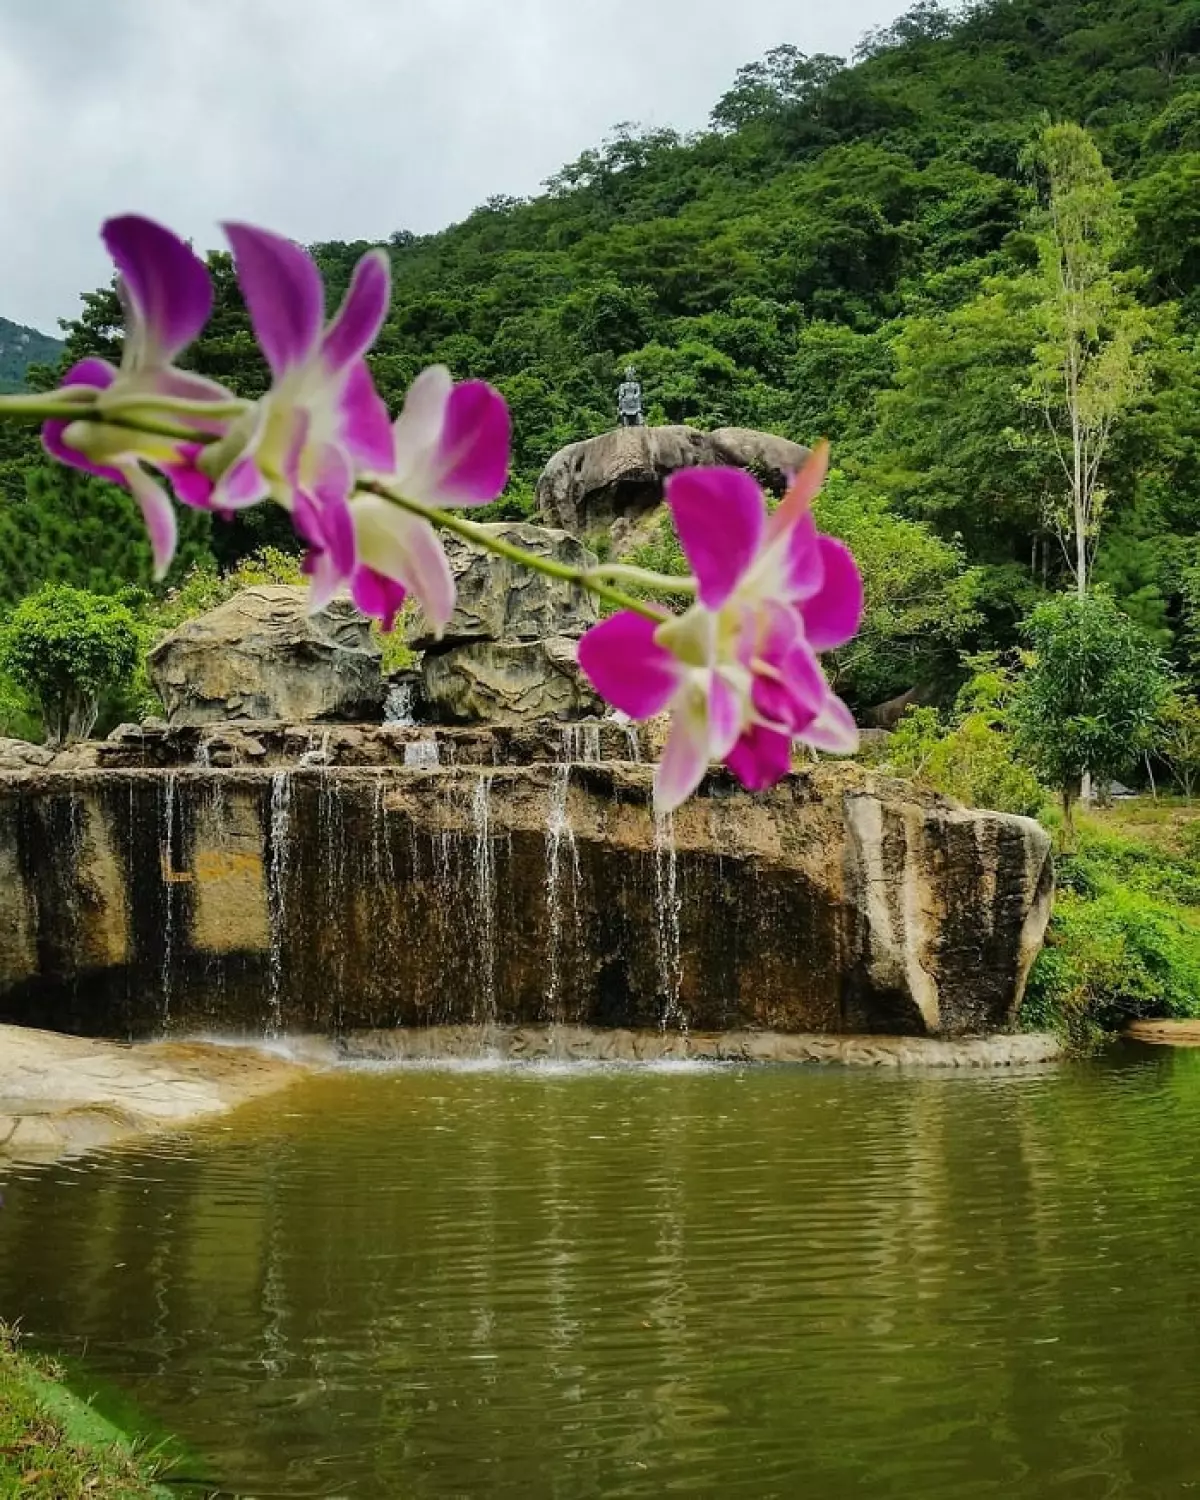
<point x="68" y="647"/>
<point x="20" y="348"/>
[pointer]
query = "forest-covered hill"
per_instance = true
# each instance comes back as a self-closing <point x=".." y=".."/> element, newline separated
<point x="21" y="347"/>
<point x="848" y="250"/>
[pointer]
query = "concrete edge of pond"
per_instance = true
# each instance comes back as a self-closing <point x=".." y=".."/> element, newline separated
<point x="593" y="1044"/>
<point x="64" y="1094"/>
<point x="1164" y="1033"/>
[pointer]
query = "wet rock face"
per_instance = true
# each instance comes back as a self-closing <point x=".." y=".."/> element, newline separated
<point x="262" y="656"/>
<point x="507" y="682"/>
<point x="499" y="601"/>
<point x="587" y="486"/>
<point x="327" y="900"/>
<point x="508" y="654"/>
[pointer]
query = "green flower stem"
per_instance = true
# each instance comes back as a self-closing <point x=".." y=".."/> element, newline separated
<point x="79" y="404"/>
<point x="472" y="531"/>
<point x="663" y="583"/>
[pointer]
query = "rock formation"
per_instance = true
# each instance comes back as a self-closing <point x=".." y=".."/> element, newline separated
<point x="261" y="655"/>
<point x="588" y="485"/>
<point x="318" y="898"/>
<point x="508" y="654"/>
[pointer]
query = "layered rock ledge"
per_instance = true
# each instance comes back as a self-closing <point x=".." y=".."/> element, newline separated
<point x="311" y="898"/>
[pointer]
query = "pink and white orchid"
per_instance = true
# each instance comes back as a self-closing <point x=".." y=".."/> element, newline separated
<point x="167" y="296"/>
<point x="451" y="449"/>
<point x="738" y="671"/>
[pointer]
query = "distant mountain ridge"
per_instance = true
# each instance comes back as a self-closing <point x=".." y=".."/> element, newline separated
<point x="21" y="347"/>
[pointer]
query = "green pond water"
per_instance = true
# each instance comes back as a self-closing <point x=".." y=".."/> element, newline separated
<point x="732" y="1282"/>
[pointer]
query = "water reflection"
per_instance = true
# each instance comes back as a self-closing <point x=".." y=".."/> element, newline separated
<point x="729" y="1282"/>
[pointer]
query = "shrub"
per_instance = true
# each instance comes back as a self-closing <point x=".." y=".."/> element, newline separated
<point x="68" y="647"/>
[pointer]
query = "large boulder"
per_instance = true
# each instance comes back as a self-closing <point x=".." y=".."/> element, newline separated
<point x="507" y="682"/>
<point x="588" y="485"/>
<point x="261" y="655"/>
<point x="498" y="600"/>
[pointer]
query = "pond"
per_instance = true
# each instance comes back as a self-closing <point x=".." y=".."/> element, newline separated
<point x="722" y="1282"/>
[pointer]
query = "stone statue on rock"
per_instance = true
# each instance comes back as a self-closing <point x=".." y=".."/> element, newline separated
<point x="629" y="400"/>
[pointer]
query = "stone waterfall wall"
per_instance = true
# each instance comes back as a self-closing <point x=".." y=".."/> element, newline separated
<point x="246" y="900"/>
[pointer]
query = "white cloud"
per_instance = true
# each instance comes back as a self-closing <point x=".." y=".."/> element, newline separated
<point x="335" y="119"/>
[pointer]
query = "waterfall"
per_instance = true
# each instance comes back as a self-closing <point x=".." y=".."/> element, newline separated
<point x="277" y="870"/>
<point x="203" y="755"/>
<point x="398" y="705"/>
<point x="485" y="901"/>
<point x="422" y="754"/>
<point x="581" y="743"/>
<point x="560" y="836"/>
<point x="667" y="906"/>
<point x="634" y="744"/>
<point x="170" y="880"/>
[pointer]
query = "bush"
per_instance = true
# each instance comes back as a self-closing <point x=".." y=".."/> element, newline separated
<point x="68" y="647"/>
<point x="971" y="757"/>
<point x="1124" y="941"/>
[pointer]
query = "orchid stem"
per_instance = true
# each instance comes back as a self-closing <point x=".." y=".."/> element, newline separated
<point x="472" y="531"/>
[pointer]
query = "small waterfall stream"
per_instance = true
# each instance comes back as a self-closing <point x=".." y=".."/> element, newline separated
<point x="277" y="873"/>
<point x="485" y="902"/>
<point x="170" y="891"/>
<point x="667" y="907"/>
<point x="423" y="754"/>
<point x="560" y="842"/>
<point x="399" y="703"/>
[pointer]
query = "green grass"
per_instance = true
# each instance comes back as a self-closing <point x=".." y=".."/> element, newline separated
<point x="55" y="1447"/>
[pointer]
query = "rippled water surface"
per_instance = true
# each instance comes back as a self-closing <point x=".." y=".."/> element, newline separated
<point x="734" y="1282"/>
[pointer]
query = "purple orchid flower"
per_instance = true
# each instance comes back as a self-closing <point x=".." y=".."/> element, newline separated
<point x="451" y="448"/>
<point x="738" y="672"/>
<point x="167" y="296"/>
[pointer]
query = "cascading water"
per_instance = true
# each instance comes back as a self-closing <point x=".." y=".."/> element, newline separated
<point x="277" y="872"/>
<point x="203" y="756"/>
<point x="170" y="883"/>
<point x="485" y="902"/>
<point x="398" y="705"/>
<point x="667" y="907"/>
<point x="422" y="754"/>
<point x="560" y="840"/>
<point x="581" y="743"/>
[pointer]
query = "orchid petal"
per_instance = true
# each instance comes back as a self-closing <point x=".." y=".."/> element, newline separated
<point x="158" y="514"/>
<point x="364" y="426"/>
<point x="324" y="580"/>
<point x="832" y="615"/>
<point x="192" y="486"/>
<point x="719" y="515"/>
<point x="760" y="758"/>
<point x="471" y="466"/>
<point x="834" y="730"/>
<point x="378" y="596"/>
<point x="801" y="492"/>
<point x="628" y="667"/>
<point x="361" y="315"/>
<point x="418" y="428"/>
<point x="167" y="285"/>
<point x="726" y="715"/>
<point x="685" y="755"/>
<point x="242" y="484"/>
<point x="335" y="479"/>
<point x="283" y="293"/>
<point x="88" y="372"/>
<point x="406" y="548"/>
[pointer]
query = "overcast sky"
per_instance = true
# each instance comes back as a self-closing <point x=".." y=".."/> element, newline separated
<point x="336" y="119"/>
